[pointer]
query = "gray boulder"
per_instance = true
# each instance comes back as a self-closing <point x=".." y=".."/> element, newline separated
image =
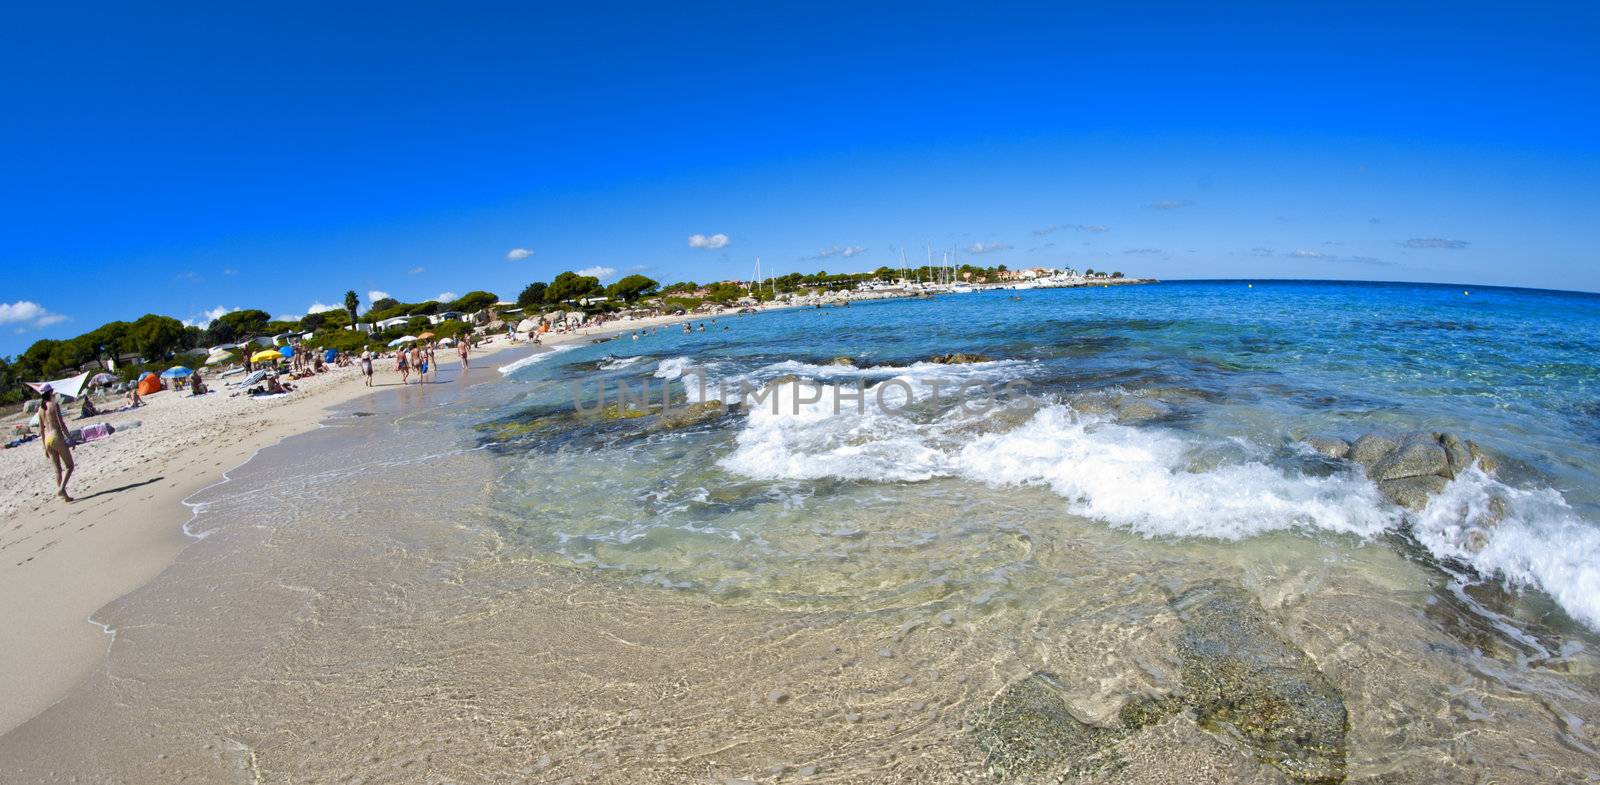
<point x="1417" y="457"/>
<point x="959" y="358"/>
<point x="1373" y="447"/>
<point x="1412" y="493"/>
<point x="1328" y="446"/>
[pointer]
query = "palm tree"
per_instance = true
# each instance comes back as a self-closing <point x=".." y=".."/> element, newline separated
<point x="351" y="302"/>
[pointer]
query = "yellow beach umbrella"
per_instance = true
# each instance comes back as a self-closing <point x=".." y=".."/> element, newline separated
<point x="265" y="355"/>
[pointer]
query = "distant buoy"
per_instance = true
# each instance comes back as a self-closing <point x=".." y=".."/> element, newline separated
<point x="1249" y="286"/>
<point x="1466" y="294"/>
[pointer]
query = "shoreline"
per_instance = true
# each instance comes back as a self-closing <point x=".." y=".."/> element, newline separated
<point x="60" y="564"/>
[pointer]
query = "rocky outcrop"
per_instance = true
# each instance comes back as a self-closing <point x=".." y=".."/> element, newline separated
<point x="841" y="361"/>
<point x="685" y="416"/>
<point x="1327" y="446"/>
<point x="1408" y="468"/>
<point x="960" y="358"/>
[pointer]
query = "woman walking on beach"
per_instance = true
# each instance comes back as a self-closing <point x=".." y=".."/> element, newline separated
<point x="53" y="432"/>
<point x="403" y="366"/>
<point x="366" y="366"/>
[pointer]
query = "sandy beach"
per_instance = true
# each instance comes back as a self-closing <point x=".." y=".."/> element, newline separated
<point x="59" y="562"/>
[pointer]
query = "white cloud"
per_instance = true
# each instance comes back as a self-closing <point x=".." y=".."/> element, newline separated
<point x="599" y="271"/>
<point x="320" y="308"/>
<point x="1435" y="242"/>
<point x="376" y="295"/>
<point x="987" y="247"/>
<point x="445" y="297"/>
<point x="418" y="270"/>
<point x="27" y="315"/>
<point x="713" y="242"/>
<point x="207" y="317"/>
<point x="845" y="251"/>
<point x="518" y="254"/>
<point x="229" y="271"/>
<point x="1302" y="253"/>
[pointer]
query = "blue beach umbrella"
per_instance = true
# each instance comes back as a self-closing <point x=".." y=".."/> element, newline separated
<point x="287" y="351"/>
<point x="329" y="355"/>
<point x="175" y="372"/>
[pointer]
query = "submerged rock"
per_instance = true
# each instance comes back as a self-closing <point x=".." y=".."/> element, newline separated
<point x="1028" y="731"/>
<point x="1132" y="408"/>
<point x="841" y="361"/>
<point x="959" y="358"/>
<point x="685" y="416"/>
<point x="1240" y="672"/>
<point x="1328" y="446"/>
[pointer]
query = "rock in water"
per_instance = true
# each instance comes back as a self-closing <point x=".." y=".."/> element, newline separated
<point x="1456" y="452"/>
<point x="1238" y="671"/>
<point x="959" y="358"/>
<point x="1134" y="409"/>
<point x="1330" y="447"/>
<point x="841" y="361"/>
<point x="685" y="416"/>
<point x="1418" y="457"/>
<point x="1373" y="447"/>
<point x="1028" y="732"/>
<point x="1412" y="493"/>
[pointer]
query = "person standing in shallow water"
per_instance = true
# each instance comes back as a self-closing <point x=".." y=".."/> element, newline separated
<point x="463" y="350"/>
<point x="53" y="432"/>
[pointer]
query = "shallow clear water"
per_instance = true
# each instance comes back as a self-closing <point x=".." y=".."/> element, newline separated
<point x="825" y="503"/>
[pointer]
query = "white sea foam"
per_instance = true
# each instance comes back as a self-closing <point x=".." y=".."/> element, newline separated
<point x="1540" y="542"/>
<point x="613" y="363"/>
<point x="673" y="367"/>
<point x="1159" y="482"/>
<point x="510" y="368"/>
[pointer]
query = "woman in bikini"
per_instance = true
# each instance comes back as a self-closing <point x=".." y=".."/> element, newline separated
<point x="403" y="366"/>
<point x="53" y="430"/>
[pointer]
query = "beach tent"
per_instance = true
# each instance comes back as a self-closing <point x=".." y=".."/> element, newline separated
<point x="329" y="355"/>
<point x="176" y="372"/>
<point x="265" y="355"/>
<point x="149" y="384"/>
<point x="70" y="387"/>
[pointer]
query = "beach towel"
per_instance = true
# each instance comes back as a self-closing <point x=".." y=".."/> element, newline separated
<point x="99" y="430"/>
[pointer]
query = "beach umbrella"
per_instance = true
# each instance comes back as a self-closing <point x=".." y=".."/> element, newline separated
<point x="220" y="357"/>
<point x="103" y="378"/>
<point x="447" y="342"/>
<point x="286" y="351"/>
<point x="424" y="336"/>
<point x="266" y="355"/>
<point x="175" y="372"/>
<point x="402" y="339"/>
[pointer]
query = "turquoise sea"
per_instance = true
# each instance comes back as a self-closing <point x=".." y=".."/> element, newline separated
<point x="1225" y="378"/>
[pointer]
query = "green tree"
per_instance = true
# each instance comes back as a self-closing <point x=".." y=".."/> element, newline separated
<point x="156" y="337"/>
<point x="235" y="326"/>
<point x="570" y="286"/>
<point x="724" y="293"/>
<point x="351" y="303"/>
<point x="474" y="301"/>
<point x="631" y="288"/>
<point x="532" y="295"/>
<point x="385" y="304"/>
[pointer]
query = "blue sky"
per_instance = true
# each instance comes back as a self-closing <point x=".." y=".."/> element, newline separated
<point x="183" y="158"/>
